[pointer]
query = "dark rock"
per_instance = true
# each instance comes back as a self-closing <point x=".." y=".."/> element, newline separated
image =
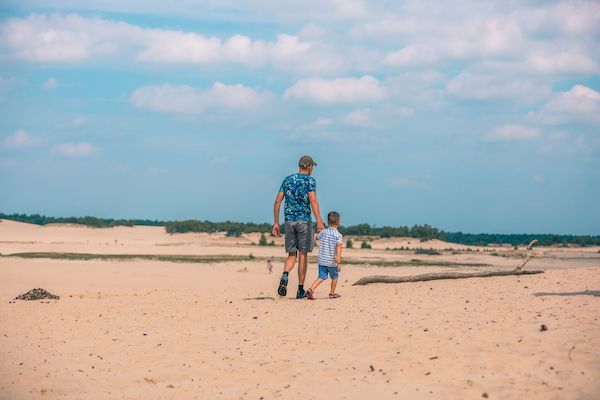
<point x="37" y="294"/>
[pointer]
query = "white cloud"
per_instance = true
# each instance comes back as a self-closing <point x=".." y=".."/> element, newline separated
<point x="228" y="10"/>
<point x="336" y="91"/>
<point x="78" y="122"/>
<point x="431" y="41"/>
<point x="75" y="150"/>
<point x="581" y="104"/>
<point x="358" y="117"/>
<point x="168" y="98"/>
<point x="20" y="139"/>
<point x="512" y="132"/>
<point x="408" y="86"/>
<point x="405" y="112"/>
<point x="312" y="31"/>
<point x="322" y="121"/>
<point x="183" y="99"/>
<point x="478" y="86"/>
<point x="73" y="38"/>
<point x="560" y="61"/>
<point x="558" y="38"/>
<point x="50" y="84"/>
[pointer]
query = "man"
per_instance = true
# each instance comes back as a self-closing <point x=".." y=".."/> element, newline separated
<point x="299" y="191"/>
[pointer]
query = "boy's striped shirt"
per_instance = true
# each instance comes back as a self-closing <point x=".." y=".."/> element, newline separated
<point x="328" y="241"/>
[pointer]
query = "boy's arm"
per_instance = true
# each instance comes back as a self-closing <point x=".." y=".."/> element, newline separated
<point x="276" y="208"/>
<point x="314" y="205"/>
<point x="338" y="255"/>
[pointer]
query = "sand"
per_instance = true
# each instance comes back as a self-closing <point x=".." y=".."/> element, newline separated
<point x="148" y="329"/>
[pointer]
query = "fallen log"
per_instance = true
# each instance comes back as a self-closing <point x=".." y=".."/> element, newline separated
<point x="439" y="275"/>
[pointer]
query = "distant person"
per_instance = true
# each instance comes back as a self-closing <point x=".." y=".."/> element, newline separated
<point x="299" y="191"/>
<point x="330" y="256"/>
<point x="270" y="267"/>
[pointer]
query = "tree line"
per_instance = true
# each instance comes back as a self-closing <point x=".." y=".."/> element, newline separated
<point x="231" y="228"/>
<point x="93" y="222"/>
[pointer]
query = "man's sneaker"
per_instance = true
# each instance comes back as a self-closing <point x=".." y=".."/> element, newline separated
<point x="301" y="294"/>
<point x="282" y="289"/>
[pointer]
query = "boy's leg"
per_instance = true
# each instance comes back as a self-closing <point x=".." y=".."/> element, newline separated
<point x="316" y="283"/>
<point x="322" y="276"/>
<point x="333" y="272"/>
<point x="333" y="285"/>
<point x="311" y="291"/>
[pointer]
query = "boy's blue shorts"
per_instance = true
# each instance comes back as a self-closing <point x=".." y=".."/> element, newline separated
<point x="324" y="270"/>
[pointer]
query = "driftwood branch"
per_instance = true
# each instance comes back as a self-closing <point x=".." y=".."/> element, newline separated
<point x="440" y="275"/>
<point x="529" y="256"/>
<point x="452" y="275"/>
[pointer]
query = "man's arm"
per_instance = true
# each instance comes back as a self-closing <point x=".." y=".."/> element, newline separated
<point x="314" y="205"/>
<point x="338" y="256"/>
<point x="276" y="208"/>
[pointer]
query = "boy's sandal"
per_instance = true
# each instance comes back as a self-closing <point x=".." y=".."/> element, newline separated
<point x="333" y="295"/>
<point x="310" y="294"/>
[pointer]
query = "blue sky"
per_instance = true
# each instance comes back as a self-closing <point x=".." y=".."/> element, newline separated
<point x="468" y="115"/>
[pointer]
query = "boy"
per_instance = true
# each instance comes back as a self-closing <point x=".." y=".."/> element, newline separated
<point x="330" y="255"/>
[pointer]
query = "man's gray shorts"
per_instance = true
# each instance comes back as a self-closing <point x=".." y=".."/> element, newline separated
<point x="298" y="236"/>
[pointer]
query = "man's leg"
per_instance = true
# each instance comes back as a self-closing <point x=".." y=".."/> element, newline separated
<point x="305" y="245"/>
<point x="302" y="262"/>
<point x="290" y="261"/>
<point x="287" y="267"/>
<point x="302" y="265"/>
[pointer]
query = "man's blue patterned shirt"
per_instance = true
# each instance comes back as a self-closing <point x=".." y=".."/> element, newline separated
<point x="296" y="188"/>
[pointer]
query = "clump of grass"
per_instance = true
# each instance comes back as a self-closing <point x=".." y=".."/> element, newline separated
<point x="213" y="259"/>
<point x="127" y="257"/>
<point x="429" y="252"/>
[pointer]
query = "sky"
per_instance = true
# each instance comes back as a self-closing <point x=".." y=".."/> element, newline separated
<point x="468" y="115"/>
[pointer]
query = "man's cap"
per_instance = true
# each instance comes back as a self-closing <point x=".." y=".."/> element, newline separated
<point x="306" y="161"/>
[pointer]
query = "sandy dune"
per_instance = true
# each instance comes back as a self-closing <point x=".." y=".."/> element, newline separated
<point x="147" y="329"/>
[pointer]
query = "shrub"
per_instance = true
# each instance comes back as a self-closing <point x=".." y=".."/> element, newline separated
<point x="263" y="240"/>
<point x="365" y="245"/>
<point x="349" y="243"/>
